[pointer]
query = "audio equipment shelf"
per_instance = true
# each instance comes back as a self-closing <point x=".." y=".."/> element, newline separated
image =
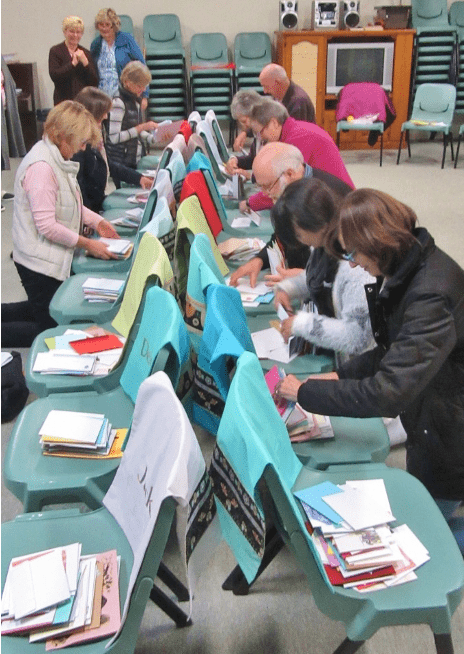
<point x="303" y="54"/>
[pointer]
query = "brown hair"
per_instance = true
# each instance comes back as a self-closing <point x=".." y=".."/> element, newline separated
<point x="378" y="226"/>
<point x="97" y="102"/>
<point x="70" y="121"/>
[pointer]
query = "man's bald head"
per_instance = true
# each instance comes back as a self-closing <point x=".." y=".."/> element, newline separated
<point x="277" y="165"/>
<point x="274" y="81"/>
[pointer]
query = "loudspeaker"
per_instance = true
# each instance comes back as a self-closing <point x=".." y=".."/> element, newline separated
<point x="288" y="16"/>
<point x="350" y="16"/>
<point x="326" y="15"/>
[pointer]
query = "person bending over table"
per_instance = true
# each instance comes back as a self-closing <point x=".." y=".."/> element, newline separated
<point x="417" y="369"/>
<point x="48" y="220"/>
<point x="241" y="108"/>
<point x="71" y="66"/>
<point x="94" y="163"/>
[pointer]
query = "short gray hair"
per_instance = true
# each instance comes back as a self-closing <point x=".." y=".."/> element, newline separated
<point x="243" y="103"/>
<point x="267" y="110"/>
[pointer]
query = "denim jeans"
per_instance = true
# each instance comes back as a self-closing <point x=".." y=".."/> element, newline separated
<point x="456" y="524"/>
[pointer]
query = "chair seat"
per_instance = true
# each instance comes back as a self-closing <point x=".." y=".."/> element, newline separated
<point x="69" y="306"/>
<point x="118" y="199"/>
<point x="36" y="479"/>
<point x="100" y="267"/>
<point x="425" y="128"/>
<point x="348" y="125"/>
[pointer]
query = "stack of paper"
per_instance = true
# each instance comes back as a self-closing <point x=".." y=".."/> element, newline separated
<point x="101" y="289"/>
<point x="132" y="218"/>
<point x="240" y="249"/>
<point x="64" y="431"/>
<point x="349" y="525"/>
<point x="245" y="220"/>
<point x="119" y="246"/>
<point x="62" y="597"/>
<point x="166" y="131"/>
<point x="64" y="362"/>
<point x="253" y="296"/>
<point x="276" y="257"/>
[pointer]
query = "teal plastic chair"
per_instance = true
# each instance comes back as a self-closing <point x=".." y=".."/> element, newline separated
<point x="203" y="130"/>
<point x="211" y="120"/>
<point x="461" y="132"/>
<point x="432" y="103"/>
<point x="252" y="447"/>
<point x="160" y="343"/>
<point x="162" y="37"/>
<point x="252" y="51"/>
<point x="203" y="271"/>
<point x="68" y="304"/>
<point x="429" y="13"/>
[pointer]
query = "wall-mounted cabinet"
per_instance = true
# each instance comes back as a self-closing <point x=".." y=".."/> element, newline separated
<point x="303" y="54"/>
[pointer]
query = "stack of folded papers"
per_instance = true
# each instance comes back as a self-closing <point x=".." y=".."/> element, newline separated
<point x="244" y="220"/>
<point x="77" y="433"/>
<point x="132" y="218"/>
<point x="240" y="249"/>
<point x="119" y="246"/>
<point x="101" y="289"/>
<point x="253" y="296"/>
<point x="357" y="547"/>
<point x="62" y="597"/>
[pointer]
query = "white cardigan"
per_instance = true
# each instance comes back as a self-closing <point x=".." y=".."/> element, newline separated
<point x="349" y="332"/>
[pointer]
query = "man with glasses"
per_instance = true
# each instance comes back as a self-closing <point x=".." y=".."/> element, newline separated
<point x="275" y="167"/>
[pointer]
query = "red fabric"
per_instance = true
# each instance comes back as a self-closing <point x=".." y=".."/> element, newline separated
<point x="195" y="184"/>
<point x="186" y="130"/>
<point x="361" y="99"/>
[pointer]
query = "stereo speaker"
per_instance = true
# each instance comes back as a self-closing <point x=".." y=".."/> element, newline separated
<point x="350" y="17"/>
<point x="288" y="15"/>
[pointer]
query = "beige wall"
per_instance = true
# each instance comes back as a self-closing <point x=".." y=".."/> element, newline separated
<point x="31" y="27"/>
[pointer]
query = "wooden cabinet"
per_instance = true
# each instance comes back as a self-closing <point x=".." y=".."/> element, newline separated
<point x="303" y="54"/>
<point x="25" y="77"/>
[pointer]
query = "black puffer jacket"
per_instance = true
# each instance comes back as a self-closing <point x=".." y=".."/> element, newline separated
<point x="417" y="369"/>
<point x="126" y="152"/>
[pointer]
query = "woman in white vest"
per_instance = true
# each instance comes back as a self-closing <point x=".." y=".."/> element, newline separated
<point x="49" y="219"/>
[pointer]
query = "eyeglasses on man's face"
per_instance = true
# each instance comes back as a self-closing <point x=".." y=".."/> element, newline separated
<point x="267" y="188"/>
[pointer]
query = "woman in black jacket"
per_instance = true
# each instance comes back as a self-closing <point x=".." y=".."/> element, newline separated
<point x="417" y="369"/>
<point x="95" y="165"/>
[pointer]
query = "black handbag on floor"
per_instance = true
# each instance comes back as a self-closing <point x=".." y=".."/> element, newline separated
<point x="14" y="389"/>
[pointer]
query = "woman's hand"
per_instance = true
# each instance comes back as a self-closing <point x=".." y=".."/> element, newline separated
<point x="146" y="182"/>
<point x="250" y="268"/>
<point x="282" y="273"/>
<point x="282" y="298"/>
<point x="80" y="55"/>
<point x="288" y="388"/>
<point x="240" y="141"/>
<point x="98" y="250"/>
<point x="106" y="229"/>
<point x="149" y="126"/>
<point x="231" y="166"/>
<point x="286" y="328"/>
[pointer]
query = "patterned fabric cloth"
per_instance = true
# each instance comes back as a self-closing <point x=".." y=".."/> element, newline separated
<point x="109" y="80"/>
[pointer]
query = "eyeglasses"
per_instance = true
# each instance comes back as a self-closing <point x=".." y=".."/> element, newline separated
<point x="267" y="188"/>
<point x="349" y="256"/>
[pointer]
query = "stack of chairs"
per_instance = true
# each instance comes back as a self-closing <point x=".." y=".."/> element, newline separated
<point x="211" y="74"/>
<point x="252" y="51"/>
<point x="456" y="15"/>
<point x="434" y="44"/>
<point x="165" y="57"/>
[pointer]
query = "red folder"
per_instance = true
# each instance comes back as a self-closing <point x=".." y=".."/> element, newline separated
<point x="337" y="579"/>
<point x="96" y="344"/>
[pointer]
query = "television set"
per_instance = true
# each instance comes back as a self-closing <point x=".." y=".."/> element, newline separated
<point x="359" y="62"/>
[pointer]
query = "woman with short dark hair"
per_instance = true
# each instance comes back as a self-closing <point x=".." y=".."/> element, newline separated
<point x="417" y="369"/>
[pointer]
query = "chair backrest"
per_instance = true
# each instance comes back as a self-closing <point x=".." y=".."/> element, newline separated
<point x="251" y="436"/>
<point x="161" y="30"/>
<point x="434" y="102"/>
<point x="164" y="187"/>
<point x="162" y="460"/>
<point x="456" y="17"/>
<point x="359" y="99"/>
<point x="176" y="168"/>
<point x="429" y="13"/>
<point x="215" y="196"/>
<point x="252" y="51"/>
<point x="161" y="326"/>
<point x="211" y="119"/>
<point x="208" y="48"/>
<point x="195" y="184"/>
<point x="203" y="271"/>
<point x="199" y="161"/>
<point x="203" y="130"/>
<point x="126" y="23"/>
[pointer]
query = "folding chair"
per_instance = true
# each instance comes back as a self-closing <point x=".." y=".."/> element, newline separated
<point x="252" y="447"/>
<point x="159" y="343"/>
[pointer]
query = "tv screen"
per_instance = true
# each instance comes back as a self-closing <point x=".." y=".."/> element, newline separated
<point x="359" y="65"/>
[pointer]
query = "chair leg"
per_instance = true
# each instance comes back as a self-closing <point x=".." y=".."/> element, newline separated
<point x="445" y="143"/>
<point x="338" y="140"/>
<point x="173" y="583"/>
<point x="349" y="646"/>
<point x="450" y="136"/>
<point x="236" y="581"/>
<point x="399" y="149"/>
<point x="169" y="607"/>
<point x="457" y="151"/>
<point x="443" y="643"/>
<point x="408" y="141"/>
<point x="381" y="147"/>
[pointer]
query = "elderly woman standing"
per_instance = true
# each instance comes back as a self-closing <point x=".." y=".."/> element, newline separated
<point x="112" y="51"/>
<point x="48" y="220"/>
<point x="71" y="66"/>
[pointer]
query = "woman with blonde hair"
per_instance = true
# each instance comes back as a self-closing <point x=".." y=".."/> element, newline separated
<point x="71" y="66"/>
<point x="112" y="51"/>
<point x="48" y="220"/>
